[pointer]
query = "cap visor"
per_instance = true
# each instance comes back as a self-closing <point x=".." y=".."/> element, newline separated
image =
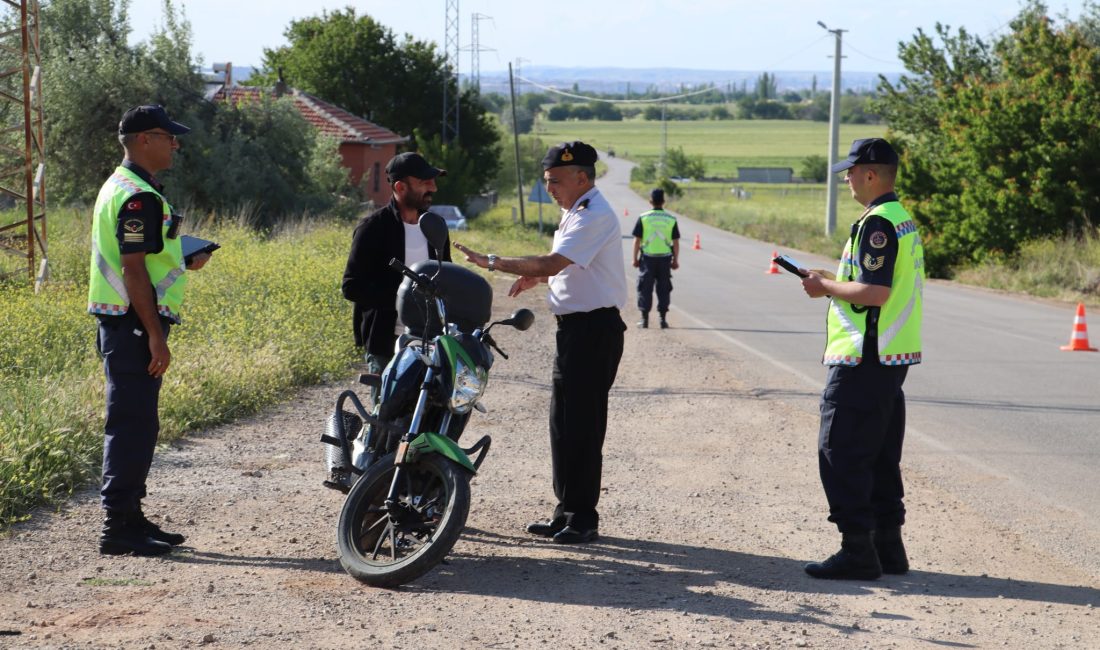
<point x="175" y="128"/>
<point x="842" y="165"/>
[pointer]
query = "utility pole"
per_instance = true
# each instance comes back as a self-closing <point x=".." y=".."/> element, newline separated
<point x="515" y="140"/>
<point x="450" y="52"/>
<point x="834" y="134"/>
<point x="663" y="172"/>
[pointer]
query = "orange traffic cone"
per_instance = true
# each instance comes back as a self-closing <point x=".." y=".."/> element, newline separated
<point x="697" y="246"/>
<point x="1079" y="337"/>
<point x="773" y="268"/>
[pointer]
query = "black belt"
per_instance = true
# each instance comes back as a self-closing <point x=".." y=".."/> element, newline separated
<point x="581" y="315"/>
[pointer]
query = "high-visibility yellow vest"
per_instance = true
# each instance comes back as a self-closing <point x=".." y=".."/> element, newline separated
<point x="106" y="290"/>
<point x="657" y="226"/>
<point x="899" y="321"/>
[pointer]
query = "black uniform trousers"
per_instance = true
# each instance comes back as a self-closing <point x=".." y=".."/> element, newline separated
<point x="859" y="445"/>
<point x="657" y="271"/>
<point x="132" y="422"/>
<point x="589" y="347"/>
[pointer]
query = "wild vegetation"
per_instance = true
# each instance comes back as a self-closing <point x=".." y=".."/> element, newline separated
<point x="265" y="315"/>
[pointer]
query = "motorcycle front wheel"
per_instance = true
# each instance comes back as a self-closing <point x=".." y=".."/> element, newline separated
<point x="386" y="547"/>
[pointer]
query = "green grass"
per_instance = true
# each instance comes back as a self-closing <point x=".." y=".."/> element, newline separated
<point x="724" y="145"/>
<point x="1066" y="269"/>
<point x="789" y="216"/>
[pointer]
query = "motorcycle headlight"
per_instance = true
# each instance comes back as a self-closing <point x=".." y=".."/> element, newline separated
<point x="469" y="386"/>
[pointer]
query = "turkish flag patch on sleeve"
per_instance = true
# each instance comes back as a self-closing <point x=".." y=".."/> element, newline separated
<point x="134" y="205"/>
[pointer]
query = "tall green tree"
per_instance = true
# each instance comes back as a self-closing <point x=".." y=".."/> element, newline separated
<point x="264" y="156"/>
<point x="999" y="142"/>
<point x="359" y="64"/>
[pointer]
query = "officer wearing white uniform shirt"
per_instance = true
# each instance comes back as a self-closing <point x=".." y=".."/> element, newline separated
<point x="587" y="288"/>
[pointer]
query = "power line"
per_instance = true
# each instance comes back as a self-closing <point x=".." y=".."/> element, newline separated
<point x="551" y="89"/>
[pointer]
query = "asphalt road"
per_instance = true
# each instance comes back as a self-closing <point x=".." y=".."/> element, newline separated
<point x="997" y="411"/>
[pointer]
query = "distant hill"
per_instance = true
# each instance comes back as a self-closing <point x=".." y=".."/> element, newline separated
<point x="669" y="80"/>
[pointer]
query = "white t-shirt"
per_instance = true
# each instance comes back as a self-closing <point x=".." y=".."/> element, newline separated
<point x="416" y="245"/>
<point x="589" y="236"/>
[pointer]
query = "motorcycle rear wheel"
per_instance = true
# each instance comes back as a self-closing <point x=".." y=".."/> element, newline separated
<point x="385" y="549"/>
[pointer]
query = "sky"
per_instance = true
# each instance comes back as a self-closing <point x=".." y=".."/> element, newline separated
<point x="755" y="35"/>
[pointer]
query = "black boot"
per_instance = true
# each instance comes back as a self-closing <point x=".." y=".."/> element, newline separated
<point x="856" y="560"/>
<point x="891" y="552"/>
<point x="664" y="323"/>
<point x="644" y="323"/>
<point x="154" y="531"/>
<point x="123" y="534"/>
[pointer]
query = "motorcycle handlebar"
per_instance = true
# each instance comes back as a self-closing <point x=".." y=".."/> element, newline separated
<point x="423" y="281"/>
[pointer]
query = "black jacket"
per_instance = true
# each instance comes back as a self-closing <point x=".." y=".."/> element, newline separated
<point x="371" y="284"/>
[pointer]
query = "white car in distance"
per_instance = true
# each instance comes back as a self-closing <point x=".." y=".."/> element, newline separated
<point x="452" y="215"/>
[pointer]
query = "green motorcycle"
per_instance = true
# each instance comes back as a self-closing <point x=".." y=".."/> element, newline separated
<point x="407" y="479"/>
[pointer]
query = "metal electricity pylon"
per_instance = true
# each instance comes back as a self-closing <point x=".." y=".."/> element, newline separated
<point x="475" y="49"/>
<point x="450" y="80"/>
<point x="22" y="147"/>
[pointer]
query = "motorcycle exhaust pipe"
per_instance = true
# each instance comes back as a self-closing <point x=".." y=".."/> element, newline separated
<point x="338" y="451"/>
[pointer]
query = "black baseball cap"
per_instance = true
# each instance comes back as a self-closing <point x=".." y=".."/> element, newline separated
<point x="412" y="164"/>
<point x="570" y="153"/>
<point x="868" y="151"/>
<point x="657" y="195"/>
<point x="149" y="116"/>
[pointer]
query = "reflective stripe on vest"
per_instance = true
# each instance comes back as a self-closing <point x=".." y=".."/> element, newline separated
<point x="657" y="226"/>
<point x="899" y="319"/>
<point x="107" y="292"/>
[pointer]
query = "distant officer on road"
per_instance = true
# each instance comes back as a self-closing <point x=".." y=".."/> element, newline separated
<point x="136" y="290"/>
<point x="874" y="335"/>
<point x="656" y="256"/>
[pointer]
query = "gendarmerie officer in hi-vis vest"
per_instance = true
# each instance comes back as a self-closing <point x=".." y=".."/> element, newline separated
<point x="587" y="290"/>
<point x="656" y="256"/>
<point x="136" y="288"/>
<point x="874" y="335"/>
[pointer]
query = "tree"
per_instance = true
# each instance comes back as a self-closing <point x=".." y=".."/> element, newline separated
<point x="265" y="156"/>
<point x="766" y="86"/>
<point x="559" y="113"/>
<point x="999" y="144"/>
<point x="357" y="63"/>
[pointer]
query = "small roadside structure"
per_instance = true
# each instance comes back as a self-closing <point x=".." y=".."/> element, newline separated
<point x="765" y="175"/>
<point x="365" y="147"/>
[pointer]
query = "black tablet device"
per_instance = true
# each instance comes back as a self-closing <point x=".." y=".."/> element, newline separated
<point x="192" y="246"/>
<point x="790" y="265"/>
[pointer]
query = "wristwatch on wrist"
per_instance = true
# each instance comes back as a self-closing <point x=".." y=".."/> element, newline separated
<point x="492" y="262"/>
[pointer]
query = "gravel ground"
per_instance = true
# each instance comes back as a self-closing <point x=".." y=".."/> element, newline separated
<point x="711" y="506"/>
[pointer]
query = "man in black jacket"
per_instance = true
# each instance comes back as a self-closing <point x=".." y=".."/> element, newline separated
<point x="389" y="232"/>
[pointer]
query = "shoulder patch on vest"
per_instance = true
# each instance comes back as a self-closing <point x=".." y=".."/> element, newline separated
<point x="877" y="239"/>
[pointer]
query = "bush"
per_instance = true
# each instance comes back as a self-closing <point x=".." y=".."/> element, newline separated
<point x="815" y="168"/>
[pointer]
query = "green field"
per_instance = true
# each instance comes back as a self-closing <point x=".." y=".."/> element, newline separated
<point x="724" y="145"/>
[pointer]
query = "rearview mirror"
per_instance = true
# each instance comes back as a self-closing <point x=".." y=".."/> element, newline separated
<point x="434" y="228"/>
<point x="521" y="319"/>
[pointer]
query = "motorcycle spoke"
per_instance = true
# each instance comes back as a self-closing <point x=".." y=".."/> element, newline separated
<point x="382" y="540"/>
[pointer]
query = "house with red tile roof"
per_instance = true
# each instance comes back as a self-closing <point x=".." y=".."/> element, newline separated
<point x="365" y="147"/>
